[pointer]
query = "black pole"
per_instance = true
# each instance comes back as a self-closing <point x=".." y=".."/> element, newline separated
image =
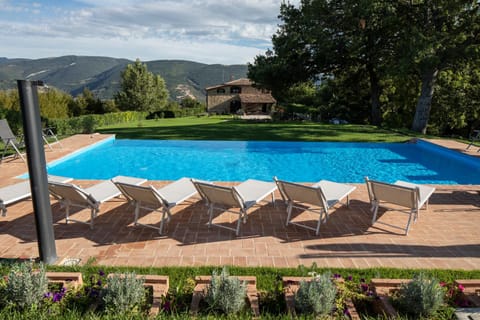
<point x="32" y="129"/>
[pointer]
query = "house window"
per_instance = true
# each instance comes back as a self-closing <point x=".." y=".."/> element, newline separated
<point x="220" y="90"/>
<point x="235" y="90"/>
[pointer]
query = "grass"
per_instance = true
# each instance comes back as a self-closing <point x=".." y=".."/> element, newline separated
<point x="268" y="285"/>
<point x="227" y="128"/>
<point x="268" y="277"/>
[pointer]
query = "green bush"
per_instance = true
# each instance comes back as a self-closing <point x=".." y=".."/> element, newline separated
<point x="124" y="293"/>
<point x="226" y="293"/>
<point x="25" y="286"/>
<point x="316" y="296"/>
<point x="89" y="123"/>
<point x="421" y="297"/>
<point x="176" y="112"/>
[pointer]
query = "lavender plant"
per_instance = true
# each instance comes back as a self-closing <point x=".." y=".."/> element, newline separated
<point x="421" y="296"/>
<point x="26" y="286"/>
<point x="316" y="296"/>
<point x="123" y="293"/>
<point x="226" y="293"/>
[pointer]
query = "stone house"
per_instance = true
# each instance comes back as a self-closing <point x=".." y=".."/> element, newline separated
<point x="238" y="97"/>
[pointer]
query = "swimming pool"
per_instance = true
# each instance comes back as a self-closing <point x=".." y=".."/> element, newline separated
<point x="422" y="162"/>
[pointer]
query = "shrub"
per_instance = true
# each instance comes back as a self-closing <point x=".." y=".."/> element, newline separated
<point x="176" y="112"/>
<point x="124" y="293"/>
<point x="421" y="296"/>
<point x="226" y="293"/>
<point x="89" y="123"/>
<point x="25" y="286"/>
<point x="316" y="296"/>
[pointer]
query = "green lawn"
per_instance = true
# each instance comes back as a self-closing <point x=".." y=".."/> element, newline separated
<point x="222" y="128"/>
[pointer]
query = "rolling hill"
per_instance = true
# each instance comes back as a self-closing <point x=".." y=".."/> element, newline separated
<point x="101" y="75"/>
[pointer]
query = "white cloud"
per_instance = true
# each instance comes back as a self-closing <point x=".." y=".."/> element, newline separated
<point x="230" y="31"/>
<point x="145" y="49"/>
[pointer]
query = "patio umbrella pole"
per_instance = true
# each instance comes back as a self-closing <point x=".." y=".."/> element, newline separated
<point x="32" y="129"/>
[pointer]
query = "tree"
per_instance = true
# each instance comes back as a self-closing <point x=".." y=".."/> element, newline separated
<point x="10" y="109"/>
<point x="395" y="47"/>
<point x="87" y="103"/>
<point x="54" y="103"/>
<point x="189" y="102"/>
<point x="141" y="90"/>
<point x="436" y="35"/>
<point x="456" y="103"/>
<point x="326" y="37"/>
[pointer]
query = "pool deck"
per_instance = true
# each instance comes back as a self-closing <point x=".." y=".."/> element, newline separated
<point x="445" y="236"/>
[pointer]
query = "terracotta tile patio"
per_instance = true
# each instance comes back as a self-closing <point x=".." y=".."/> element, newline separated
<point x="445" y="236"/>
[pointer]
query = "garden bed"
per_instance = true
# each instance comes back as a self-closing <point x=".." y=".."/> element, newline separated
<point x="290" y="287"/>
<point x="84" y="284"/>
<point x="159" y="286"/>
<point x="202" y="283"/>
<point x="464" y="294"/>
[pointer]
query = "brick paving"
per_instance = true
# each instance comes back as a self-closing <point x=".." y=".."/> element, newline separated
<point x="445" y="236"/>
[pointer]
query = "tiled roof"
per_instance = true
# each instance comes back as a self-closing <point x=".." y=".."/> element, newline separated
<point x="237" y="82"/>
<point x="256" y="98"/>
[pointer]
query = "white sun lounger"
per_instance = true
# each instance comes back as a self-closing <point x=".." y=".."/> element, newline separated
<point x="20" y="191"/>
<point x="401" y="193"/>
<point x="70" y="195"/>
<point x="319" y="198"/>
<point x="164" y="199"/>
<point x="243" y="196"/>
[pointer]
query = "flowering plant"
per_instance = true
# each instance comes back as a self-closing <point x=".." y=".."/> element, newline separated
<point x="351" y="292"/>
<point x="88" y="296"/>
<point x="455" y="295"/>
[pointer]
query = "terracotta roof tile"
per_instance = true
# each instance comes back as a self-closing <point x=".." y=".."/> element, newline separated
<point x="237" y="82"/>
<point x="256" y="98"/>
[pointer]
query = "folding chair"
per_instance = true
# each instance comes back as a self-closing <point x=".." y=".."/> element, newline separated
<point x="10" y="140"/>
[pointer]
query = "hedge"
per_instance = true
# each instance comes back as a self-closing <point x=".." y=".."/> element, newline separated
<point x="89" y="123"/>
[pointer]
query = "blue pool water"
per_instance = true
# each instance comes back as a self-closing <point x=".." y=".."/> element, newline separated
<point x="295" y="161"/>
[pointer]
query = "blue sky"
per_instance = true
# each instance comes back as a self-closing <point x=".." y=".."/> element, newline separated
<point x="208" y="31"/>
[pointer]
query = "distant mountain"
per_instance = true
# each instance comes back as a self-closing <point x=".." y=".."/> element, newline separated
<point x="101" y="75"/>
